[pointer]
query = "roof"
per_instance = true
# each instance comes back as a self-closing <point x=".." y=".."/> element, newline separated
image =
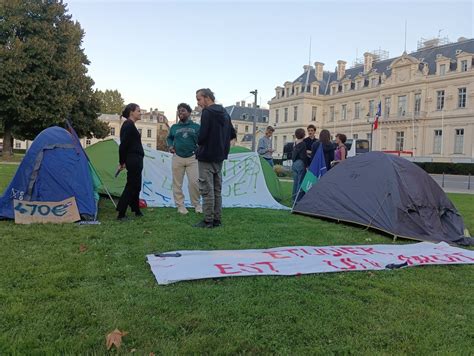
<point x="427" y="55"/>
<point x="244" y="113"/>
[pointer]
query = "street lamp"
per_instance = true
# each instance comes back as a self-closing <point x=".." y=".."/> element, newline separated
<point x="254" y="129"/>
<point x="371" y="120"/>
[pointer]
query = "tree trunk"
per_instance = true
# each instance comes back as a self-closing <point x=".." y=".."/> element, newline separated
<point x="7" y="152"/>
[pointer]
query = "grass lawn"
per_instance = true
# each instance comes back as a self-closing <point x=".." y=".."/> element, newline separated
<point x="57" y="299"/>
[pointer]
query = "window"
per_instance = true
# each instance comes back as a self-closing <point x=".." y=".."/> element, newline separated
<point x="246" y="128"/>
<point x="331" y="113"/>
<point x="399" y="141"/>
<point x="371" y="108"/>
<point x="333" y="90"/>
<point x="358" y="85"/>
<point x="295" y="113"/>
<point x="374" y="82"/>
<point x="297" y="90"/>
<point x="275" y="143"/>
<point x="402" y="105"/>
<point x="356" y="110"/>
<point x="277" y="115"/>
<point x="264" y="119"/>
<point x="464" y="66"/>
<point x="343" y="112"/>
<point x="315" y="91"/>
<point x="284" y="140"/>
<point x="148" y="133"/>
<point x="88" y="142"/>
<point x="314" y="112"/>
<point x="437" y="141"/>
<point x="346" y="87"/>
<point x="440" y="100"/>
<point x="461" y="97"/>
<point x="417" y="104"/>
<point x="236" y="127"/>
<point x="388" y="104"/>
<point x="112" y="131"/>
<point x="17" y="145"/>
<point x="161" y="127"/>
<point x="369" y="136"/>
<point x="459" y="141"/>
<point x="442" y="69"/>
<point x="355" y="136"/>
<point x="286" y="115"/>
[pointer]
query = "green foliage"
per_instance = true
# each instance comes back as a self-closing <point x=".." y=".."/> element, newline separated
<point x="111" y="101"/>
<point x="56" y="299"/>
<point x="44" y="76"/>
<point x="447" y="168"/>
<point x="281" y="171"/>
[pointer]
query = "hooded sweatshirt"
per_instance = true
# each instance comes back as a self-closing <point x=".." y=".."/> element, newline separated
<point x="215" y="134"/>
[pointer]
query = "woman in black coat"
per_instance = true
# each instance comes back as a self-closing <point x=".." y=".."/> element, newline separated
<point x="130" y="157"/>
<point x="328" y="148"/>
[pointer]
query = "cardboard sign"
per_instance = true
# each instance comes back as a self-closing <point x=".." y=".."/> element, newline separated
<point x="29" y="212"/>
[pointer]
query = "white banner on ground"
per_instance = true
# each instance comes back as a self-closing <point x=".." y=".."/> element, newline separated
<point x="243" y="183"/>
<point x="178" y="266"/>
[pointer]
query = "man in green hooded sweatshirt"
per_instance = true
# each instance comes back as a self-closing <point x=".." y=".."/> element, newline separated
<point x="182" y="142"/>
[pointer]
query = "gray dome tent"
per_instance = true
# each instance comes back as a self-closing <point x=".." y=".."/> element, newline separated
<point x="387" y="193"/>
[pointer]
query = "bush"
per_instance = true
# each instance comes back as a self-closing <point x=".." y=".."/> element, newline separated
<point x="447" y="168"/>
<point x="281" y="171"/>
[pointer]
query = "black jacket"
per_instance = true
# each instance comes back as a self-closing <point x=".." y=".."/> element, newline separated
<point x="299" y="152"/>
<point x="215" y="134"/>
<point x="130" y="141"/>
<point x="328" y="151"/>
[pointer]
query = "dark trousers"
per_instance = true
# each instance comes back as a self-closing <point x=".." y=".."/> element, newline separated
<point x="210" y="187"/>
<point x="131" y="192"/>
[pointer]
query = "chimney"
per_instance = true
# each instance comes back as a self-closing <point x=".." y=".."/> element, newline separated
<point x="307" y="67"/>
<point x="249" y="105"/>
<point x="368" y="61"/>
<point x="319" y="70"/>
<point x="237" y="103"/>
<point x="341" y="69"/>
<point x="242" y="103"/>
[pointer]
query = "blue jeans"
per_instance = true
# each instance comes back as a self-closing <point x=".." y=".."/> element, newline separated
<point x="299" y="170"/>
<point x="269" y="160"/>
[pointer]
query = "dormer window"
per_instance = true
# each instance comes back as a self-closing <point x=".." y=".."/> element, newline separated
<point x="315" y="91"/>
<point x="358" y="84"/>
<point x="464" y="65"/>
<point x="442" y="69"/>
<point x="374" y="82"/>
<point x="297" y="90"/>
<point x="346" y="87"/>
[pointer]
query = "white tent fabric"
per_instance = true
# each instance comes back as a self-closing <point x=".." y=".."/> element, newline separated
<point x="243" y="183"/>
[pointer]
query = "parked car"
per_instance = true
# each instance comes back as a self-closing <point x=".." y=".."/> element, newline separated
<point x="357" y="146"/>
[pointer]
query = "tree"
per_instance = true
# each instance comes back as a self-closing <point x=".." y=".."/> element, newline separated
<point x="44" y="75"/>
<point x="111" y="101"/>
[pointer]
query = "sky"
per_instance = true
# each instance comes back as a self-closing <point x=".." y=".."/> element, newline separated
<point x="158" y="53"/>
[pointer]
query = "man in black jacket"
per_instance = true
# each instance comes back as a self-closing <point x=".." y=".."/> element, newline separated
<point x="214" y="144"/>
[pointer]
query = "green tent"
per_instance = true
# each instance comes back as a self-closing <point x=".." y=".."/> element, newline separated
<point x="104" y="158"/>
<point x="273" y="183"/>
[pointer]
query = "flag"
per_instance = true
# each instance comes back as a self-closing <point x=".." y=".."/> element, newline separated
<point x="377" y="115"/>
<point x="316" y="170"/>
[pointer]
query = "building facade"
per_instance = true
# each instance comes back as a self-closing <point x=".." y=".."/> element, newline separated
<point x="242" y="117"/>
<point x="426" y="98"/>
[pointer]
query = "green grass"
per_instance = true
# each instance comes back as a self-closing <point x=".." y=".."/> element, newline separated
<point x="56" y="299"/>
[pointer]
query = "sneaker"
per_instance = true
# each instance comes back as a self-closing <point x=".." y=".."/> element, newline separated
<point x="204" y="224"/>
<point x="182" y="210"/>
<point x="216" y="223"/>
<point x="198" y="209"/>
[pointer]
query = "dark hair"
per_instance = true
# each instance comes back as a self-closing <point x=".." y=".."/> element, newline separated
<point x="128" y="109"/>
<point x="311" y="126"/>
<point x="269" y="128"/>
<point x="342" y="137"/>
<point x="207" y="93"/>
<point x="185" y="107"/>
<point x="325" y="137"/>
<point x="300" y="133"/>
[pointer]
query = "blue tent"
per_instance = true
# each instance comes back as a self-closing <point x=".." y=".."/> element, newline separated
<point x="54" y="168"/>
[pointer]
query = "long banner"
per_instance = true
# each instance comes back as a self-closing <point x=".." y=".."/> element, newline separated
<point x="243" y="183"/>
<point x="175" y="266"/>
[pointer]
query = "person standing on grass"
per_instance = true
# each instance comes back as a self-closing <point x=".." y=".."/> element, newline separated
<point x="328" y="148"/>
<point x="311" y="129"/>
<point x="264" y="148"/>
<point x="300" y="160"/>
<point x="341" y="150"/>
<point x="131" y="158"/>
<point x="215" y="135"/>
<point x="182" y="142"/>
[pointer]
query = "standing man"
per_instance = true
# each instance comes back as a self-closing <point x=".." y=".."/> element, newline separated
<point x="311" y="129"/>
<point x="131" y="158"/>
<point x="264" y="148"/>
<point x="182" y="142"/>
<point x="215" y="135"/>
